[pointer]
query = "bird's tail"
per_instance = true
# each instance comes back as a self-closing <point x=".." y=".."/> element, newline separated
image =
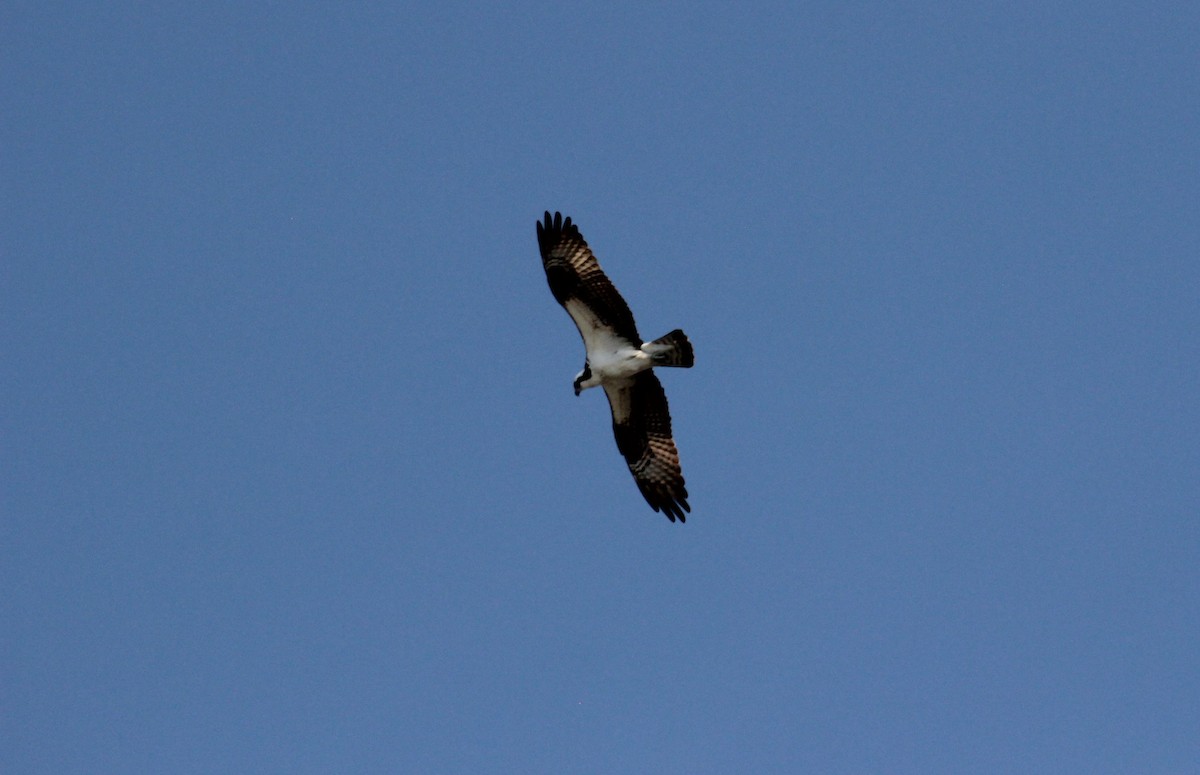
<point x="674" y="349"/>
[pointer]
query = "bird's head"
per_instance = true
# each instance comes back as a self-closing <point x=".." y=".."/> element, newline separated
<point x="582" y="377"/>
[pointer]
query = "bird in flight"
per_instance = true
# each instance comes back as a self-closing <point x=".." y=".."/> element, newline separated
<point x="620" y="362"/>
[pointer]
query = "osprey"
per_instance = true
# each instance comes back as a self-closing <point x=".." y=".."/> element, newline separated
<point x="620" y="362"/>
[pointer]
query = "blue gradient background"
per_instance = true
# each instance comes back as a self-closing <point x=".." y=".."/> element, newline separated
<point x="294" y="479"/>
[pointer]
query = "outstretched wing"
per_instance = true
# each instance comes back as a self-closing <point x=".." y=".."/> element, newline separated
<point x="579" y="284"/>
<point x="642" y="426"/>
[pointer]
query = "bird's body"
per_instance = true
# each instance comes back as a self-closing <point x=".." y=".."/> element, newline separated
<point x="609" y="356"/>
<point x="620" y="362"/>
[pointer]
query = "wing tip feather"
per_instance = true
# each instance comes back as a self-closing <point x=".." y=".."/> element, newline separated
<point x="552" y="229"/>
<point x="672" y="504"/>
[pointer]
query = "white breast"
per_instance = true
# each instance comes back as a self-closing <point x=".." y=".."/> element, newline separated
<point x="610" y="356"/>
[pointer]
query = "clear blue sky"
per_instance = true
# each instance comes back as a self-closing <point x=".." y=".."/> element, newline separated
<point x="293" y="475"/>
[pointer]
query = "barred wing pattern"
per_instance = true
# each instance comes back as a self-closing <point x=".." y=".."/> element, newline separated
<point x="574" y="273"/>
<point x="642" y="427"/>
